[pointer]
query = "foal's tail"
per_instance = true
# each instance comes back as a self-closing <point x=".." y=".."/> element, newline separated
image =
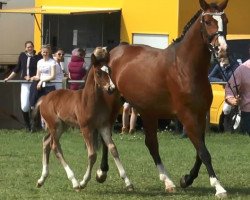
<point x="36" y="109"/>
<point x="35" y="115"/>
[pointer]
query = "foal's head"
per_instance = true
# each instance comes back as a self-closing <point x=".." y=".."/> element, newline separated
<point x="102" y="72"/>
<point x="214" y="23"/>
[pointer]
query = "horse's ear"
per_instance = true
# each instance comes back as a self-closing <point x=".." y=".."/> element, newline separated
<point x="204" y="5"/>
<point x="93" y="59"/>
<point x="223" y="5"/>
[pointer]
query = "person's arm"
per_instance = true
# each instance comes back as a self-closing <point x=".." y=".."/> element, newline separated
<point x="231" y="96"/>
<point x="16" y="69"/>
<point x="37" y="76"/>
<point x="12" y="75"/>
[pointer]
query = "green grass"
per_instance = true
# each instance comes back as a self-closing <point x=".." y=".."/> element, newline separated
<point x="21" y="165"/>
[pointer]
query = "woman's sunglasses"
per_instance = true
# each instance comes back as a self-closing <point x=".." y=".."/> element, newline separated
<point x="60" y="54"/>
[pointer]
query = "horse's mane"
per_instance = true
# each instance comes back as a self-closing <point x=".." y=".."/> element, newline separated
<point x="188" y="25"/>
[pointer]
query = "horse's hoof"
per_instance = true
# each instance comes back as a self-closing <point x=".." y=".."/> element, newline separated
<point x="77" y="189"/>
<point x="100" y="176"/>
<point x="130" y="188"/>
<point x="38" y="185"/>
<point x="185" y="181"/>
<point x="222" y="195"/>
<point x="171" y="190"/>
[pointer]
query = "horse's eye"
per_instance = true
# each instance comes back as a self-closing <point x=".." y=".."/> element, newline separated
<point x="99" y="73"/>
<point x="208" y="23"/>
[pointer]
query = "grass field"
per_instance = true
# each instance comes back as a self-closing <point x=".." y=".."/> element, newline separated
<point x="21" y="157"/>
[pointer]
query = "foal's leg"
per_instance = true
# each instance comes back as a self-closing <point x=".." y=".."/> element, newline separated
<point x="46" y="152"/>
<point x="151" y="141"/>
<point x="106" y="135"/>
<point x="89" y="137"/>
<point x="196" y="132"/>
<point x="101" y="174"/>
<point x="56" y="146"/>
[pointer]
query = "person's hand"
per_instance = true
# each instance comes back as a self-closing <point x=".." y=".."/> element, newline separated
<point x="234" y="101"/>
<point x="39" y="85"/>
<point x="27" y="78"/>
<point x="33" y="78"/>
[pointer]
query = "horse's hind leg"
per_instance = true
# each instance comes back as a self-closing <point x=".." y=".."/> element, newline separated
<point x="56" y="146"/>
<point x="46" y="152"/>
<point x="151" y="141"/>
<point x="101" y="174"/>
<point x="106" y="135"/>
<point x="196" y="132"/>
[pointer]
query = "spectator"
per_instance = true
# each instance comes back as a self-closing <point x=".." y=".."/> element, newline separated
<point x="77" y="67"/>
<point x="59" y="57"/>
<point x="27" y="65"/>
<point x="242" y="99"/>
<point x="222" y="73"/>
<point x="46" y="71"/>
<point x="128" y="125"/>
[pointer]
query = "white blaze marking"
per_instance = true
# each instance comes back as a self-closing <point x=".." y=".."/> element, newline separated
<point x="106" y="69"/>
<point x="221" y="39"/>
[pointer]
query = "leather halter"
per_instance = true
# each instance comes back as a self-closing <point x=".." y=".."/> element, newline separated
<point x="210" y="38"/>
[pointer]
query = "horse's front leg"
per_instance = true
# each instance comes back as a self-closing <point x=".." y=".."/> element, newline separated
<point x="46" y="152"/>
<point x="101" y="174"/>
<point x="90" y="138"/>
<point x="106" y="135"/>
<point x="150" y="127"/>
<point x="195" y="128"/>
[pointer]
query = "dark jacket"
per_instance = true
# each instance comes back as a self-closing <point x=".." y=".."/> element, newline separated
<point x="76" y="70"/>
<point x="22" y="65"/>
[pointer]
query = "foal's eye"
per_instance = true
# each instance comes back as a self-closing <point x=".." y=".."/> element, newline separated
<point x="99" y="73"/>
<point x="208" y="23"/>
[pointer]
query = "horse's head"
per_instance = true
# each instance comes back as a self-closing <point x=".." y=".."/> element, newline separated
<point x="214" y="28"/>
<point x="99" y="60"/>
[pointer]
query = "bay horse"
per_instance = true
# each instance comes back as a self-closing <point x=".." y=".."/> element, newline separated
<point x="83" y="109"/>
<point x="174" y="82"/>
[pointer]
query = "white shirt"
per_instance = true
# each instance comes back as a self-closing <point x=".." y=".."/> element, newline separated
<point x="45" y="67"/>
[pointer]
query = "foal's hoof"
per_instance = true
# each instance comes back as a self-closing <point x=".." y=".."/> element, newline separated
<point x="171" y="190"/>
<point x="38" y="185"/>
<point x="130" y="188"/>
<point x="101" y="176"/>
<point x="185" y="181"/>
<point x="77" y="189"/>
<point x="222" y="195"/>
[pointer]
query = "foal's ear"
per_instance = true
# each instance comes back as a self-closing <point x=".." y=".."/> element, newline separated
<point x="223" y="5"/>
<point x="93" y="59"/>
<point x="204" y="5"/>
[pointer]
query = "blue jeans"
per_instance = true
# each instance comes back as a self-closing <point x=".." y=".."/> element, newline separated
<point x="245" y="123"/>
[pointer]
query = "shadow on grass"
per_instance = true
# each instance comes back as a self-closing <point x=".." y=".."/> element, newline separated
<point x="189" y="192"/>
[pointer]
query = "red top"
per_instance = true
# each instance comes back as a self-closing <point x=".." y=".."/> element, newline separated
<point x="77" y="71"/>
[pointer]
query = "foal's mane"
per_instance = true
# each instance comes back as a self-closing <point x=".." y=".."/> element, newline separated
<point x="187" y="26"/>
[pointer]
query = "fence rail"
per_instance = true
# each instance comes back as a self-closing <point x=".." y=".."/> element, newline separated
<point x="64" y="81"/>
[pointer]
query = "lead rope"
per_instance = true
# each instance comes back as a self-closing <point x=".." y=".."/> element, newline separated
<point x="236" y="109"/>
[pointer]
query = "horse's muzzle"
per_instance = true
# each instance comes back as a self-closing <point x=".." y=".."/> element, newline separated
<point x="110" y="89"/>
